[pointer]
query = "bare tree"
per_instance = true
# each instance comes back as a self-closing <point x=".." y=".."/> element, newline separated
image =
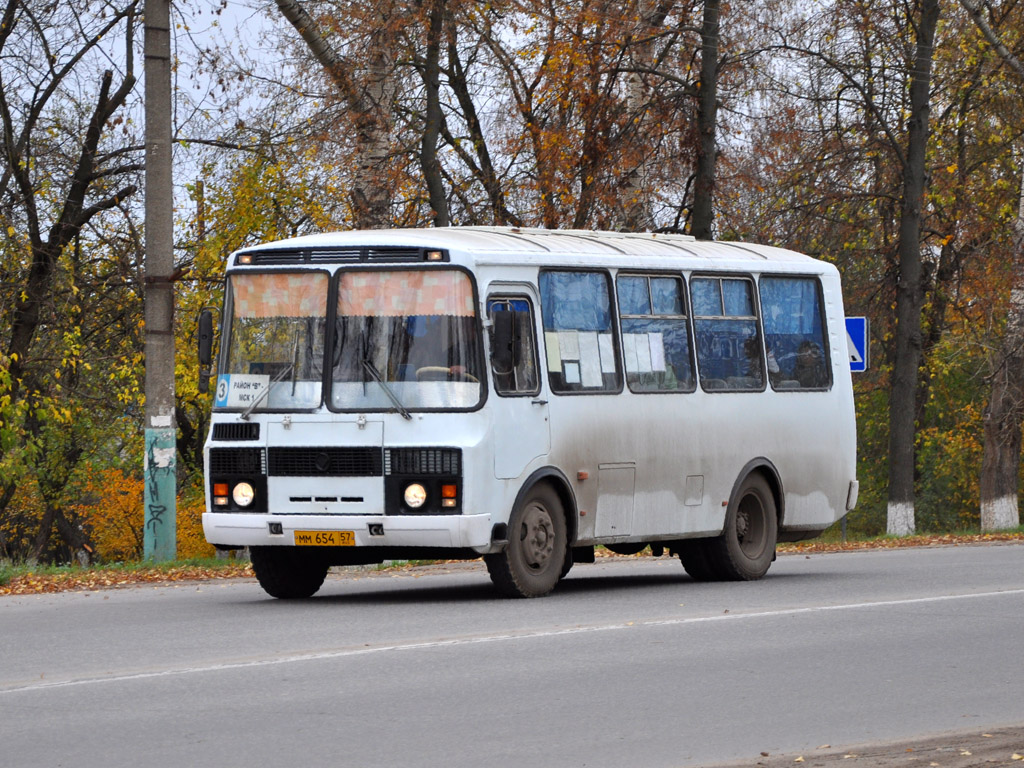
<point x="703" y="218"/>
<point x="1000" y="466"/>
<point x="370" y="100"/>
<point x="909" y="290"/>
<point x="57" y="176"/>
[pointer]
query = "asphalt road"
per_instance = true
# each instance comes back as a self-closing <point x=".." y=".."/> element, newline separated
<point x="628" y="663"/>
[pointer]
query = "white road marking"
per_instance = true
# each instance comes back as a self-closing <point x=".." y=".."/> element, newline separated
<point x="341" y="653"/>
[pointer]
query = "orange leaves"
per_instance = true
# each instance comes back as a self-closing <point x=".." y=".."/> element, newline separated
<point x="112" y="511"/>
<point x="114" y="514"/>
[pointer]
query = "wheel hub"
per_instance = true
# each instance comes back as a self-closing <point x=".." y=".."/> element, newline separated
<point x="537" y="536"/>
<point x="742" y="524"/>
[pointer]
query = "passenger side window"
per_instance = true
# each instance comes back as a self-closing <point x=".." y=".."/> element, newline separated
<point x="655" y="335"/>
<point x="579" y="337"/>
<point x="794" y="333"/>
<point x="513" y="351"/>
<point x="729" y="353"/>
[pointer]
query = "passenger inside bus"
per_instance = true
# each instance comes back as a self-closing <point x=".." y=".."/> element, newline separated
<point x="809" y="369"/>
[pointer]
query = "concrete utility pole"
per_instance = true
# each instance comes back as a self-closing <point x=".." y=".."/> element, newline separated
<point x="160" y="535"/>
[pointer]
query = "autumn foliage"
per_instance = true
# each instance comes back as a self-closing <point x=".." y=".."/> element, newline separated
<point x="570" y="115"/>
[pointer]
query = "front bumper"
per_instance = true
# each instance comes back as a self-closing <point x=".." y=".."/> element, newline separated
<point x="413" y="531"/>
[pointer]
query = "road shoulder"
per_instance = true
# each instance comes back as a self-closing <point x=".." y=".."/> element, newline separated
<point x="969" y="749"/>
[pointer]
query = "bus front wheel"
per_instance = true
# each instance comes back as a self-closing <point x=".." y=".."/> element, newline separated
<point x="746" y="547"/>
<point x="696" y="558"/>
<point x="286" y="572"/>
<point x="534" y="559"/>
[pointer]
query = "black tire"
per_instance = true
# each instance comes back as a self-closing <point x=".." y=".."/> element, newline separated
<point x="537" y="551"/>
<point x="288" y="573"/>
<point x="746" y="548"/>
<point x="693" y="554"/>
<point x="567" y="564"/>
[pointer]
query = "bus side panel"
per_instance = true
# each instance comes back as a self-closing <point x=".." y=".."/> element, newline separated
<point x="817" y="486"/>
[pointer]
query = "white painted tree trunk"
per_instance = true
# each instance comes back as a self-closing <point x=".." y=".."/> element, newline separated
<point x="900" y="518"/>
<point x="1000" y="514"/>
<point x="1000" y="466"/>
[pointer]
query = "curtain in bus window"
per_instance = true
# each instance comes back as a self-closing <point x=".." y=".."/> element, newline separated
<point x="729" y="354"/>
<point x="416" y="330"/>
<point x="578" y="334"/>
<point x="655" y="335"/>
<point x="794" y="333"/>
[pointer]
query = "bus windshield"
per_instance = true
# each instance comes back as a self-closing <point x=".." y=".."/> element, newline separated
<point x="405" y="335"/>
<point x="275" y="348"/>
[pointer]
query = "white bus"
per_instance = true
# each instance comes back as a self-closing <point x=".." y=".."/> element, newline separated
<point x="522" y="396"/>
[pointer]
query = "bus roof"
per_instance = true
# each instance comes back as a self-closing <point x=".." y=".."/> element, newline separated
<point x="520" y="245"/>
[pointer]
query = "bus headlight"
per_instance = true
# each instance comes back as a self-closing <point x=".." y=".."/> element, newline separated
<point x="243" y="494"/>
<point x="415" y="495"/>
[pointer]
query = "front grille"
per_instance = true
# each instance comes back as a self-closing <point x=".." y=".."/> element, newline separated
<point x="236" y="461"/>
<point x="326" y="462"/>
<point x="423" y="461"/>
<point x="239" y="430"/>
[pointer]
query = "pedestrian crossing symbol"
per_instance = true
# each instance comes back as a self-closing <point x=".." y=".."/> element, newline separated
<point x="857" y="342"/>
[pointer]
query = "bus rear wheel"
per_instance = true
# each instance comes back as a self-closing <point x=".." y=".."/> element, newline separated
<point x="534" y="559"/>
<point x="746" y="548"/>
<point x="288" y="573"/>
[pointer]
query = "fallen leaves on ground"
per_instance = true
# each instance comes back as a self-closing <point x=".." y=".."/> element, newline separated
<point x="919" y="540"/>
<point x="98" y="578"/>
<point x="84" y="579"/>
<point x="922" y="540"/>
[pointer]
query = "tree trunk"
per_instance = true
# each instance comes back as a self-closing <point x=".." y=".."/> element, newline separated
<point x="637" y="215"/>
<point x="41" y="541"/>
<point x="483" y="167"/>
<point x="1000" y="465"/>
<point x="370" y="104"/>
<point x="432" y="121"/>
<point x="909" y="292"/>
<point x="702" y="222"/>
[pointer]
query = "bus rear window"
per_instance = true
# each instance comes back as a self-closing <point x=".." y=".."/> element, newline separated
<point x="794" y="333"/>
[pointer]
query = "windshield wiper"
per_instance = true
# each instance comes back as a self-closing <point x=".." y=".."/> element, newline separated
<point x="387" y="390"/>
<point x="291" y="368"/>
<point x="288" y="368"/>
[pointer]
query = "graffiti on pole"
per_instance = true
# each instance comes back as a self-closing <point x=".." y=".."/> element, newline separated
<point x="160" y="529"/>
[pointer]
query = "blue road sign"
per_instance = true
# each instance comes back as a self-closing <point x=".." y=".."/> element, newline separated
<point x="858" y="342"/>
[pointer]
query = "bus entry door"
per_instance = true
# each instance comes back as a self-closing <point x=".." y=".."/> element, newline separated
<point x="520" y="406"/>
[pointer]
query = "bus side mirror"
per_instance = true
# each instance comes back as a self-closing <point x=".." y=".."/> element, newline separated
<point x="503" y="347"/>
<point x="205" y="349"/>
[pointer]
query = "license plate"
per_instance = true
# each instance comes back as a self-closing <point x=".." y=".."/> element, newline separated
<point x="325" y="538"/>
